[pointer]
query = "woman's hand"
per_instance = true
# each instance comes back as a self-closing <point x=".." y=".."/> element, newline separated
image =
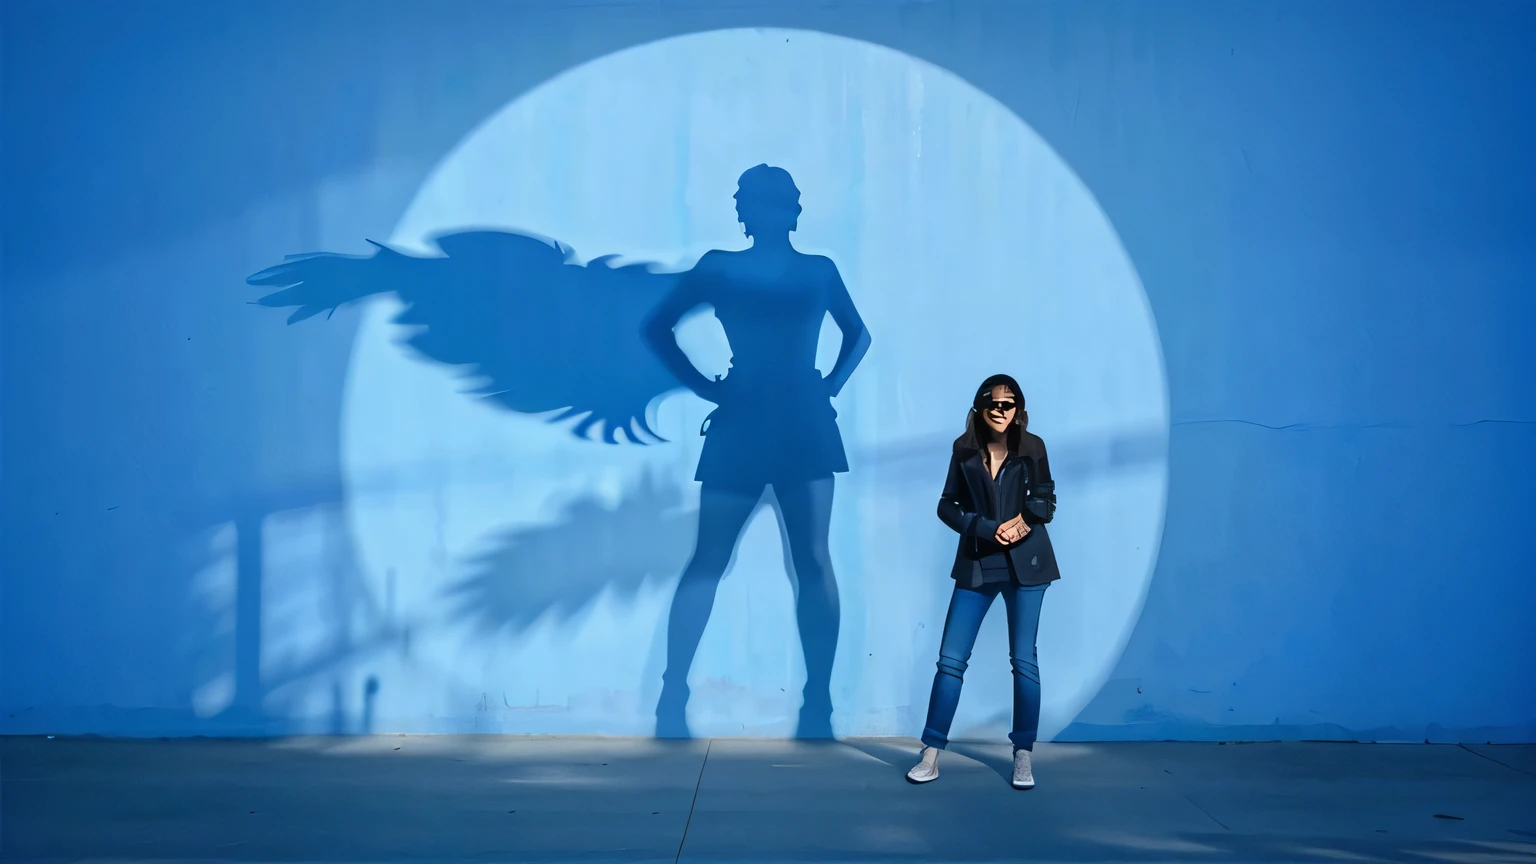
<point x="1012" y="531"/>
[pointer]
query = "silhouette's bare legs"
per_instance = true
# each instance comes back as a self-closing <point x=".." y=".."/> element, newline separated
<point x="722" y="516"/>
<point x="807" y="512"/>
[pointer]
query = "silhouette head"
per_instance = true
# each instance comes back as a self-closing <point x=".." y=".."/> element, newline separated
<point x="767" y="201"/>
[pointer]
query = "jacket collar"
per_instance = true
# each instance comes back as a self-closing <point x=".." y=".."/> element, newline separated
<point x="967" y="446"/>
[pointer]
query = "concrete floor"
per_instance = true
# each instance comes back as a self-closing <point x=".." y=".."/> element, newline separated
<point x="519" y="799"/>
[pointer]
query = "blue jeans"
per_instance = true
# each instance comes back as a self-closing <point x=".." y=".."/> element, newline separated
<point x="966" y="609"/>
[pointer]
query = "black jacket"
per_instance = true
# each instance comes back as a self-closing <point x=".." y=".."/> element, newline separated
<point x="967" y="505"/>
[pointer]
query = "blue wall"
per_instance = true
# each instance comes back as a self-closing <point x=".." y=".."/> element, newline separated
<point x="1326" y="204"/>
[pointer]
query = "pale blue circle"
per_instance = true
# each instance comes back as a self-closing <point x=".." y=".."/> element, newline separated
<point x="970" y="248"/>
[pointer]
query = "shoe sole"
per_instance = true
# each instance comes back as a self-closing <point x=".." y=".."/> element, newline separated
<point x="1021" y="787"/>
<point x="916" y="782"/>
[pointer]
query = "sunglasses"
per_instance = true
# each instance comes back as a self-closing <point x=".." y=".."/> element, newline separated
<point x="1003" y="405"/>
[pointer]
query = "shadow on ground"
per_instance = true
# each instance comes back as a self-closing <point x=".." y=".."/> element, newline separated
<point x="590" y="799"/>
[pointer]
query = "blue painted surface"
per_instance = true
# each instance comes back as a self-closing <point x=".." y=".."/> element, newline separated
<point x="1328" y="207"/>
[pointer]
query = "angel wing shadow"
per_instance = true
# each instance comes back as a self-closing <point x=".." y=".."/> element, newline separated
<point x="561" y="568"/>
<point x="527" y="324"/>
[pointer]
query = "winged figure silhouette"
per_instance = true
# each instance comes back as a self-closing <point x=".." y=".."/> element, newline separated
<point x="532" y="327"/>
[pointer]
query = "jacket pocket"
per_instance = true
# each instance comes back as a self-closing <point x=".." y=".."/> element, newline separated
<point x="1035" y="554"/>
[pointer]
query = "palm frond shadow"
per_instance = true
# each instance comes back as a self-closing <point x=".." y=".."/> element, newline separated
<point x="559" y="569"/>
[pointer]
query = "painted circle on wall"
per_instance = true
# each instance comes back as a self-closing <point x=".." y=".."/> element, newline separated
<point x="535" y="568"/>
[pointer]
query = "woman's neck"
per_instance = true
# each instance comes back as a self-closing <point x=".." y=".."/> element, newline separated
<point x="997" y="445"/>
<point x="772" y="243"/>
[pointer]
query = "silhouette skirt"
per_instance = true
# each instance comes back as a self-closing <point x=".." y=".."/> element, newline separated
<point x="767" y="438"/>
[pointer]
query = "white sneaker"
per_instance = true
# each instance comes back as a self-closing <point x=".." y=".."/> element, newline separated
<point x="1023" y="773"/>
<point x="927" y="768"/>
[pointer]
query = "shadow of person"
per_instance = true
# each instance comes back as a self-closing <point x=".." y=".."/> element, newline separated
<point x="774" y="427"/>
<point x="538" y="332"/>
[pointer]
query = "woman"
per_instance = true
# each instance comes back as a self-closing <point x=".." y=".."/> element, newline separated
<point x="775" y="426"/>
<point x="998" y="497"/>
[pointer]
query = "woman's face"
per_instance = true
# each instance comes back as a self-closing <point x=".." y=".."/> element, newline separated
<point x="1000" y="410"/>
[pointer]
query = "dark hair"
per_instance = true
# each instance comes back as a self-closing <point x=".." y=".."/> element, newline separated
<point x="1018" y="441"/>
<point x="767" y="190"/>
